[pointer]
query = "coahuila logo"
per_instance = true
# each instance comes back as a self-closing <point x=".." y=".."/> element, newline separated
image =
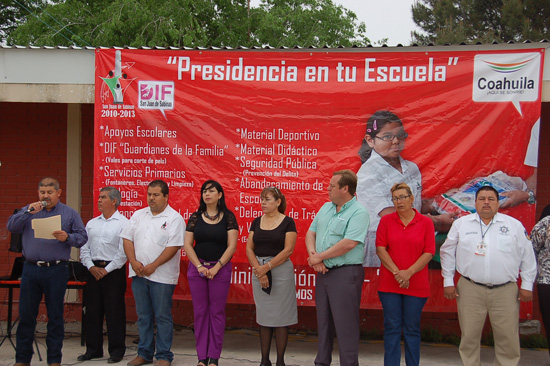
<point x="512" y="77"/>
<point x="156" y="95"/>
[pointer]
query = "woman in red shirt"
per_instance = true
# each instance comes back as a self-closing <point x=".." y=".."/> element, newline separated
<point x="405" y="243"/>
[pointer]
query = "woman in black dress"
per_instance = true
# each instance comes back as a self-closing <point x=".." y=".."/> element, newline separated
<point x="270" y="243"/>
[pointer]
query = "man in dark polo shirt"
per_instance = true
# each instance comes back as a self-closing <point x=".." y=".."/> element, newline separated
<point x="45" y="271"/>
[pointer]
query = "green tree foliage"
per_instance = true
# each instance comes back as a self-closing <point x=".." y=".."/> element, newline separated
<point x="471" y="21"/>
<point x="180" y="23"/>
<point x="114" y="23"/>
<point x="11" y="13"/>
<point x="308" y="22"/>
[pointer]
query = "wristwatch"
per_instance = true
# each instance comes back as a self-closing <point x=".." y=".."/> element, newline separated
<point x="531" y="198"/>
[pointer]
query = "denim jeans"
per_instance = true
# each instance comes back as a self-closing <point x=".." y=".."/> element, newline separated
<point x="35" y="282"/>
<point x="401" y="313"/>
<point x="154" y="304"/>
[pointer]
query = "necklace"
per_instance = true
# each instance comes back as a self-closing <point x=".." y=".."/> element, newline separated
<point x="212" y="218"/>
<point x="273" y="224"/>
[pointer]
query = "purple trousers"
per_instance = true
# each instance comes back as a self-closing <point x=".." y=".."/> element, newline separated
<point x="209" y="299"/>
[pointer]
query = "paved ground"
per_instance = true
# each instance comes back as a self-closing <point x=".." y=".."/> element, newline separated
<point x="241" y="348"/>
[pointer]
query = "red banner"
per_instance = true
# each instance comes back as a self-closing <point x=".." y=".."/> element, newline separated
<point x="252" y="119"/>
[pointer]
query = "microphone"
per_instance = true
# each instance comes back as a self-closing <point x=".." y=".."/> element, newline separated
<point x="44" y="204"/>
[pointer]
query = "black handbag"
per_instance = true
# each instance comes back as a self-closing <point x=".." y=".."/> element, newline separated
<point x="78" y="271"/>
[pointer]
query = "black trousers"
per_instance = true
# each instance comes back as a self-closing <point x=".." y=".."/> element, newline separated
<point x="105" y="299"/>
<point x="544" y="305"/>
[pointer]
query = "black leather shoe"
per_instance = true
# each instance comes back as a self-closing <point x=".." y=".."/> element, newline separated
<point x="86" y="357"/>
<point x="114" y="359"/>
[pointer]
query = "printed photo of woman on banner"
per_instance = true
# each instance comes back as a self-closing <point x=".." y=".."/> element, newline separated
<point x="382" y="166"/>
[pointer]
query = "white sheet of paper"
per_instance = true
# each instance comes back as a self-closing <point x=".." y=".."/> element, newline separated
<point x="44" y="228"/>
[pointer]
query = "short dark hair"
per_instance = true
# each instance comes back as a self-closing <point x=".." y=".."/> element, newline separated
<point x="159" y="183"/>
<point x="488" y="188"/>
<point x="545" y="212"/>
<point x="49" y="182"/>
<point x="277" y="194"/>
<point x="404" y="186"/>
<point x="114" y="194"/>
<point x="347" y="178"/>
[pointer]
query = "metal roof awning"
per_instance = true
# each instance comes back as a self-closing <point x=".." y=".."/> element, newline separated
<point x="66" y="74"/>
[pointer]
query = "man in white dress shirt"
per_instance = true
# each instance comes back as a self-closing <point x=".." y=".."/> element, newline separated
<point x="104" y="257"/>
<point x="488" y="249"/>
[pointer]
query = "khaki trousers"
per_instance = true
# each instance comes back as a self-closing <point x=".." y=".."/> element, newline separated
<point x="502" y="305"/>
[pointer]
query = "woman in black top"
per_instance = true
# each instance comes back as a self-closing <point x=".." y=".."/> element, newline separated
<point x="213" y="229"/>
<point x="270" y="243"/>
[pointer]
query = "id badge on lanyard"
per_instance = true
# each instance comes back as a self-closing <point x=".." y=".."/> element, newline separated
<point x="481" y="248"/>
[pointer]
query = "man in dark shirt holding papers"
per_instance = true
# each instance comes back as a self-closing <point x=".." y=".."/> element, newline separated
<point x="45" y="271"/>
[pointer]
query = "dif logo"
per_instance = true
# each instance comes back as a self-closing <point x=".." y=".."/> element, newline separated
<point x="156" y="95"/>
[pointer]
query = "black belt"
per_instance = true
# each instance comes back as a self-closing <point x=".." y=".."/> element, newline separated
<point x="101" y="264"/>
<point x="47" y="263"/>
<point x="488" y="285"/>
<point x="342" y="266"/>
